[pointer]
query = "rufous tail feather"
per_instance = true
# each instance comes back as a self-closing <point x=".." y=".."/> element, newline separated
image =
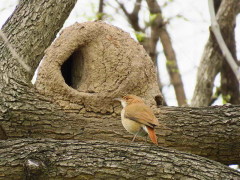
<point x="152" y="135"/>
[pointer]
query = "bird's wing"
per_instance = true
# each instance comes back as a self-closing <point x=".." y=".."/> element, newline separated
<point x="141" y="113"/>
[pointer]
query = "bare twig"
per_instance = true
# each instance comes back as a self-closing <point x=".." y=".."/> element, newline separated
<point x="221" y="42"/>
<point x="14" y="53"/>
<point x="133" y="17"/>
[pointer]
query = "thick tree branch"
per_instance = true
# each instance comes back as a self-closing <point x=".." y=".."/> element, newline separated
<point x="54" y="159"/>
<point x="212" y="132"/>
<point x="31" y="29"/>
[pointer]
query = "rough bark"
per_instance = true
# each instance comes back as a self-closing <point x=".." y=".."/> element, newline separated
<point x="212" y="132"/>
<point x="24" y="30"/>
<point x="52" y="159"/>
<point x="30" y="30"/>
<point x="212" y="58"/>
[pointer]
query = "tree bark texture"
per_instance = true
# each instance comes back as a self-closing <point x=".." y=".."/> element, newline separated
<point x="54" y="159"/>
<point x="24" y="30"/>
<point x="212" y="58"/>
<point x="212" y="132"/>
<point x="30" y="30"/>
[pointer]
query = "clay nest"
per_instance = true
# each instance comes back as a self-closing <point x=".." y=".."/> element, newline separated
<point x="91" y="63"/>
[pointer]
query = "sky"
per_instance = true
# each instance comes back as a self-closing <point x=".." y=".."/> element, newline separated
<point x="189" y="32"/>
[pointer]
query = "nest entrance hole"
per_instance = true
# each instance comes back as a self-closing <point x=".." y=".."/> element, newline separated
<point x="72" y="69"/>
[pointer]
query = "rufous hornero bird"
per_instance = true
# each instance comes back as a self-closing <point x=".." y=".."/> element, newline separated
<point x="138" y="118"/>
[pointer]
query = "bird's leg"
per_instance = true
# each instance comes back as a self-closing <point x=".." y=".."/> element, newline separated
<point x="135" y="135"/>
<point x="146" y="139"/>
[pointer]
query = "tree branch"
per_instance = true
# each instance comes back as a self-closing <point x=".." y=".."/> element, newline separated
<point x="31" y="29"/>
<point x="133" y="17"/>
<point x="229" y="79"/>
<point x="220" y="40"/>
<point x="212" y="132"/>
<point x="54" y="159"/>
<point x="212" y="58"/>
<point x="100" y="10"/>
<point x="158" y="29"/>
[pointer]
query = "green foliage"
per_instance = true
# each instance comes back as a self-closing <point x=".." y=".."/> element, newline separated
<point x="217" y="92"/>
<point x="170" y="63"/>
<point x="100" y="15"/>
<point x="179" y="16"/>
<point x="167" y="3"/>
<point x="152" y="17"/>
<point x="226" y="98"/>
<point x="140" y="36"/>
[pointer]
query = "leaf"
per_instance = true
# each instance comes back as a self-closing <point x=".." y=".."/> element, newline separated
<point x="153" y="17"/>
<point x="140" y="36"/>
<point x="226" y="98"/>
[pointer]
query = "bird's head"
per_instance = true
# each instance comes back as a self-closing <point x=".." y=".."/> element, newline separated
<point x="129" y="99"/>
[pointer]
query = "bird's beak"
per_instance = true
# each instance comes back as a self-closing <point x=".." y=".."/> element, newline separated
<point x="117" y="99"/>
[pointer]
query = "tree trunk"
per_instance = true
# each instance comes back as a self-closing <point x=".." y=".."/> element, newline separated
<point x="212" y="58"/>
<point x="26" y="114"/>
<point x="31" y="29"/>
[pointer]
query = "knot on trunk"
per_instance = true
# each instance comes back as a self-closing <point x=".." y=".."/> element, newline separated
<point x="91" y="63"/>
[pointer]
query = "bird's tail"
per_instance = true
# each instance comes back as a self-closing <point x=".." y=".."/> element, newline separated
<point x="152" y="135"/>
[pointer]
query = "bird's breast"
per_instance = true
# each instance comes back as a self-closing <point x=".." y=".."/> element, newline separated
<point x="133" y="127"/>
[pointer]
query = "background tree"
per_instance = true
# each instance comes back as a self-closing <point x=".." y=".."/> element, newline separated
<point x="158" y="29"/>
<point x="214" y="62"/>
<point x="77" y="113"/>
